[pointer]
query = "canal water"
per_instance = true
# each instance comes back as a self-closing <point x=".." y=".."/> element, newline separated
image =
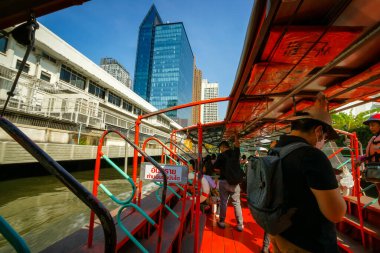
<point x="42" y="210"/>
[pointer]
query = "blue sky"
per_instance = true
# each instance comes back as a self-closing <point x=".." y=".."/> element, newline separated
<point x="109" y="28"/>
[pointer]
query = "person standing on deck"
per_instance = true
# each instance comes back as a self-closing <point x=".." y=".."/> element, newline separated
<point x="373" y="148"/>
<point x="310" y="185"/>
<point x="266" y="239"/>
<point x="225" y="189"/>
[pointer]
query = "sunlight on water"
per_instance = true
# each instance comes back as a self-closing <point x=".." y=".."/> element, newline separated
<point x="42" y="210"/>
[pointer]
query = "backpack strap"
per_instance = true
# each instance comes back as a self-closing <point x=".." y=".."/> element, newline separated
<point x="286" y="150"/>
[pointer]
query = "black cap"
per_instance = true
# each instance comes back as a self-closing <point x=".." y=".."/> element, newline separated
<point x="224" y="143"/>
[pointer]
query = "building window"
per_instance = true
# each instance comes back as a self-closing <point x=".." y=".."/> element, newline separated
<point x="137" y="110"/>
<point x="96" y="90"/>
<point x="26" y="67"/>
<point x="127" y="106"/>
<point x="3" y="44"/>
<point x="113" y="99"/>
<point x="45" y="76"/>
<point x="70" y="76"/>
<point x="48" y="57"/>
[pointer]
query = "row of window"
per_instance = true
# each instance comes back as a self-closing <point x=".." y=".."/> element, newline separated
<point x="74" y="78"/>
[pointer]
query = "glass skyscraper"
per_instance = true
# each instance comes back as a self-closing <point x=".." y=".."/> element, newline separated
<point x="164" y="65"/>
<point x="144" y="53"/>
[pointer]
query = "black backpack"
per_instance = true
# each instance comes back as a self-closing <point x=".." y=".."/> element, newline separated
<point x="232" y="170"/>
<point x="265" y="190"/>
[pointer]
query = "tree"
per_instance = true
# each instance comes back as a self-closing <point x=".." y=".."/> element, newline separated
<point x="353" y="123"/>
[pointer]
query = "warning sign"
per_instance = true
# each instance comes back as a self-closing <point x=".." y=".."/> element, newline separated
<point x="174" y="173"/>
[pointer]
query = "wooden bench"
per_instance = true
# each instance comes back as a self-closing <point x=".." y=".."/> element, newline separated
<point x="369" y="228"/>
<point x="364" y="200"/>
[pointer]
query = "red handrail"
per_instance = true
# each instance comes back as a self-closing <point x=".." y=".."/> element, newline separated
<point x="96" y="183"/>
<point x="182" y="219"/>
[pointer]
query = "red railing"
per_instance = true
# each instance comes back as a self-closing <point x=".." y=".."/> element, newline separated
<point x="354" y="153"/>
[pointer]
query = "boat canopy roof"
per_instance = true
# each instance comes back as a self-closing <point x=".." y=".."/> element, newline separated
<point x="17" y="11"/>
<point x="292" y="51"/>
<point x="295" y="49"/>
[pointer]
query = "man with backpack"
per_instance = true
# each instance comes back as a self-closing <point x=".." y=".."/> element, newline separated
<point x="228" y="164"/>
<point x="294" y="196"/>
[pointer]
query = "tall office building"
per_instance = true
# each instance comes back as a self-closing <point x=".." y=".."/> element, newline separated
<point x="144" y="54"/>
<point x="197" y="94"/>
<point x="164" y="65"/>
<point x="114" y="68"/>
<point x="209" y="111"/>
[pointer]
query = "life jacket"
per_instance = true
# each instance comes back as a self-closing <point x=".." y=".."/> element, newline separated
<point x="373" y="149"/>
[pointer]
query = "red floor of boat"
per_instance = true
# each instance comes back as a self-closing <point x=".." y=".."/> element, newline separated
<point x="229" y="239"/>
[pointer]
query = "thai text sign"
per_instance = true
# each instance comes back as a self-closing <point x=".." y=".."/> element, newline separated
<point x="175" y="173"/>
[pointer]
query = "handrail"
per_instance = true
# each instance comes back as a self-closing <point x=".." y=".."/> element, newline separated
<point x="123" y="203"/>
<point x="151" y="160"/>
<point x="13" y="237"/>
<point x="177" y="146"/>
<point x="184" y="190"/>
<point x="163" y="145"/>
<point x="68" y="180"/>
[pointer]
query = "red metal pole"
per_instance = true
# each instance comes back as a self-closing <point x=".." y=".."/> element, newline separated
<point x="177" y="107"/>
<point x="357" y="186"/>
<point x="99" y="155"/>
<point x="135" y="153"/>
<point x="335" y="153"/>
<point x="198" y="203"/>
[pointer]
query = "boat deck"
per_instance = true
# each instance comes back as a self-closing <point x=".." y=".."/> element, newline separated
<point x="229" y="239"/>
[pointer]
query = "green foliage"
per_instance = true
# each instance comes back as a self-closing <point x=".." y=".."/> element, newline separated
<point x="353" y="123"/>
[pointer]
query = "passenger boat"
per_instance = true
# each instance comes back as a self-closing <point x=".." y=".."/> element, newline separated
<point x="293" y="50"/>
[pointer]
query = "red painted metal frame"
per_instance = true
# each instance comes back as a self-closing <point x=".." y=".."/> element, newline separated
<point x="198" y="195"/>
<point x="354" y="152"/>
<point x="135" y="153"/>
<point x="184" y="197"/>
<point x="191" y="104"/>
<point x="217" y="123"/>
<point x="96" y="184"/>
<point x="142" y="159"/>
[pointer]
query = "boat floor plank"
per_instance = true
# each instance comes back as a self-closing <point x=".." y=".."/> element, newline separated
<point x="229" y="240"/>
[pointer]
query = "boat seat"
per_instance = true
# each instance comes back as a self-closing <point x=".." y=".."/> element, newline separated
<point x="363" y="201"/>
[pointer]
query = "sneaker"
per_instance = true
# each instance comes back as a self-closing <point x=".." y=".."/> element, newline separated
<point x="221" y="224"/>
<point x="240" y="227"/>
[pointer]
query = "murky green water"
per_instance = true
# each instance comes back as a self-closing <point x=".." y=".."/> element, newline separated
<point x="42" y="210"/>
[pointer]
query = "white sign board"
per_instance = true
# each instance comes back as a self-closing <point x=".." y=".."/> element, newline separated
<point x="175" y="173"/>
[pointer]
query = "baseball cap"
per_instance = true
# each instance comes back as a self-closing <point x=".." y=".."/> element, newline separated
<point x="375" y="117"/>
<point x="318" y="112"/>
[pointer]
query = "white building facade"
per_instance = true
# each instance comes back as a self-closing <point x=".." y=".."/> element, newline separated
<point x="61" y="88"/>
<point x="209" y="112"/>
